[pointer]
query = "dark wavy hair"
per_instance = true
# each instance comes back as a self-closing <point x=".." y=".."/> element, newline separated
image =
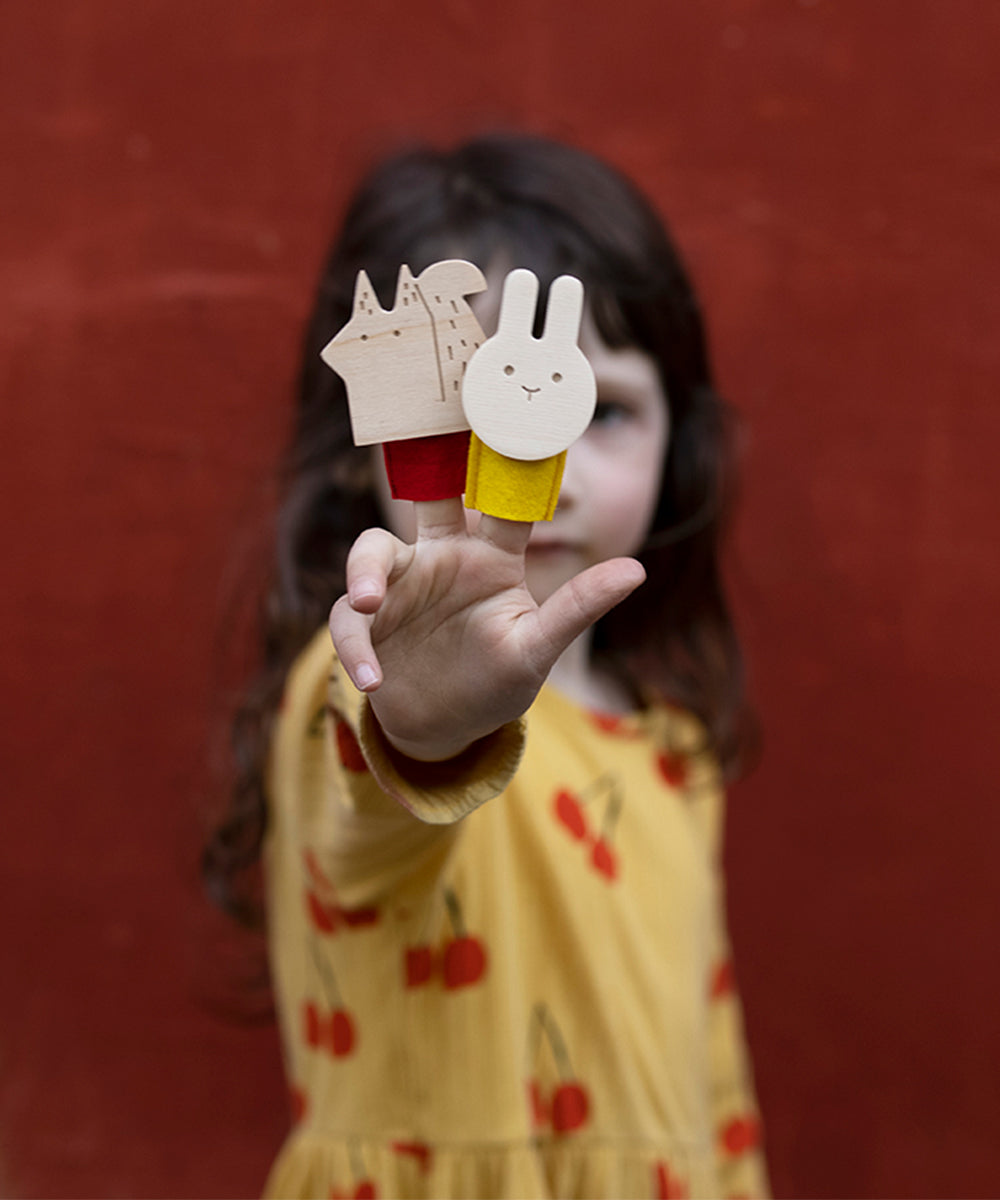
<point x="529" y="202"/>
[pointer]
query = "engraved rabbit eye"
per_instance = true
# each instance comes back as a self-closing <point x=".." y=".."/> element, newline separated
<point x="556" y="377"/>
<point x="508" y="370"/>
<point x="395" y="333"/>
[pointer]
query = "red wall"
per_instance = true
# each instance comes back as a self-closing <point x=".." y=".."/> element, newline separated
<point x="169" y="175"/>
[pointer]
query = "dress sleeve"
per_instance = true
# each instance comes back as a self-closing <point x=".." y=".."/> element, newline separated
<point x="364" y="816"/>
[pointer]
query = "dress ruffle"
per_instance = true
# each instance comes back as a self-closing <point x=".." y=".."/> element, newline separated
<point x="317" y="1165"/>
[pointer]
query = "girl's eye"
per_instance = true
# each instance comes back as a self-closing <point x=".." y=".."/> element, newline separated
<point x="508" y="370"/>
<point x="610" y="412"/>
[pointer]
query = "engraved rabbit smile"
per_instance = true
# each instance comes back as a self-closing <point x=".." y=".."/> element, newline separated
<point x="509" y="425"/>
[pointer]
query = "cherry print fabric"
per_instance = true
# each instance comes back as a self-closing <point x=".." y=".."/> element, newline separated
<point x="508" y="976"/>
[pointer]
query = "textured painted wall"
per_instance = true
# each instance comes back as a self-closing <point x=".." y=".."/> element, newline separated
<point x="168" y="177"/>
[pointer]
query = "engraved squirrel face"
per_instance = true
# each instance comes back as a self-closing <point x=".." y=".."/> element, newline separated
<point x="403" y="366"/>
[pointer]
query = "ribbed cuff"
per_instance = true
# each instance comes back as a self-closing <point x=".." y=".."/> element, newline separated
<point x="440" y="793"/>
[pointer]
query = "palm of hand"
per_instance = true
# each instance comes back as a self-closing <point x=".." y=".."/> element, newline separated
<point x="445" y="635"/>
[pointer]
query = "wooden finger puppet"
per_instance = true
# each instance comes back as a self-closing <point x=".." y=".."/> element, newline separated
<point x="403" y="369"/>
<point x="527" y="399"/>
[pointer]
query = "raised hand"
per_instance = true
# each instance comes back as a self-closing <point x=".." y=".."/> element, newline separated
<point x="444" y="635"/>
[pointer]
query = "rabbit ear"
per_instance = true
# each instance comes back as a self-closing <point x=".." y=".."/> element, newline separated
<point x="517" y="304"/>
<point x="565" y="310"/>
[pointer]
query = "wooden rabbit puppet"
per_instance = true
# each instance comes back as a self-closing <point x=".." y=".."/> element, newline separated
<point x="527" y="399"/>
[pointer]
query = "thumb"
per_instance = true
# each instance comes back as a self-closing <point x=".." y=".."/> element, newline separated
<point x="583" y="600"/>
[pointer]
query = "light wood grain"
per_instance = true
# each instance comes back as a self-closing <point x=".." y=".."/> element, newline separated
<point x="529" y="398"/>
<point x="404" y="366"/>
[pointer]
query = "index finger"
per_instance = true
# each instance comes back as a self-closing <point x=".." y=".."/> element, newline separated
<point x="370" y="564"/>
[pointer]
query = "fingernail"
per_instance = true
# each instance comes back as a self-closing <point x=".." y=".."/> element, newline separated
<point x="362" y="590"/>
<point x="366" y="676"/>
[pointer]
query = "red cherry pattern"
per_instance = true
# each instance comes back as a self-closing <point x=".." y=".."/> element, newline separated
<point x="298" y="1103"/>
<point x="606" y="722"/>
<point x="741" y="1134"/>
<point x="340" y="1033"/>
<point x="570" y="815"/>
<point x="617" y="726"/>
<point x="358" y="918"/>
<point x="569" y="812"/>
<point x="326" y="915"/>
<point x="461" y="962"/>
<point x="570" y="1107"/>
<point x="323" y="916"/>
<point x="673" y="767"/>
<point x="604" y="859"/>
<point x="313" y="1024"/>
<point x="348" y="750"/>
<point x="567" y="1108"/>
<point x="723" y="980"/>
<point x="365" y="1190"/>
<point x="331" y="1031"/>
<point x="420" y="965"/>
<point x="539" y="1106"/>
<point x="666" y="1185"/>
<point x="416" y="1150"/>
<point x="464" y="962"/>
<point x="316" y="872"/>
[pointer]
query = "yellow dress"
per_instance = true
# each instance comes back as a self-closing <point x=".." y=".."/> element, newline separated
<point x="521" y="987"/>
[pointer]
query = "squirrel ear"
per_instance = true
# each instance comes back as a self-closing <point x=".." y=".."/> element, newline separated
<point x="404" y="285"/>
<point x="518" y="303"/>
<point x="364" y="294"/>
<point x="565" y="310"/>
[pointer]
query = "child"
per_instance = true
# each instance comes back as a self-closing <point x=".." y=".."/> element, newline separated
<point x="491" y="819"/>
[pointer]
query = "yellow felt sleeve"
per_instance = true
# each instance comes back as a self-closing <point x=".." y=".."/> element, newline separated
<point x="510" y="487"/>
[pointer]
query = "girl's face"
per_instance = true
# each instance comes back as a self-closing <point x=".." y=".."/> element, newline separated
<point x="613" y="473"/>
